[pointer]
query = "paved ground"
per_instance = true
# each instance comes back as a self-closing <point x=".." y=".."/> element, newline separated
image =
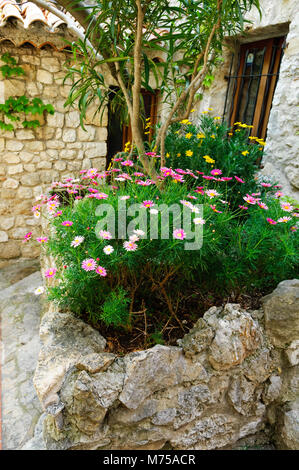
<point x="20" y="313"/>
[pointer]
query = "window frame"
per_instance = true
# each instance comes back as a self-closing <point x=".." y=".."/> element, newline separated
<point x="268" y="78"/>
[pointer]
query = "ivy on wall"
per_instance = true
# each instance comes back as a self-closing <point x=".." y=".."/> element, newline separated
<point x="15" y="108"/>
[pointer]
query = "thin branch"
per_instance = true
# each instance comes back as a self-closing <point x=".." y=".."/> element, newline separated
<point x="192" y="88"/>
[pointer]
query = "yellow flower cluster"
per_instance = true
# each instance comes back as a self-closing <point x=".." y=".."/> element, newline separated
<point x="147" y="126"/>
<point x="127" y="146"/>
<point x="189" y="135"/>
<point x="185" y="121"/>
<point x="208" y="159"/>
<point x="200" y="136"/>
<point x="241" y="124"/>
<point x="259" y="141"/>
<point x="189" y="153"/>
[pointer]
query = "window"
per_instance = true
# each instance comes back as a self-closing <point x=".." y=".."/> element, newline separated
<point x="253" y="87"/>
<point x="119" y="134"/>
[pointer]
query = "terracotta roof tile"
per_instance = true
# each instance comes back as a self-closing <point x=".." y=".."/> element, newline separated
<point x="27" y="13"/>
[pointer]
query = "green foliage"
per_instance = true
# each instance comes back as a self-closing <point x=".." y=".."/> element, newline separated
<point x="16" y="106"/>
<point x="110" y="39"/>
<point x="10" y="69"/>
<point x="243" y="249"/>
<point x="115" y="308"/>
<point x="215" y="146"/>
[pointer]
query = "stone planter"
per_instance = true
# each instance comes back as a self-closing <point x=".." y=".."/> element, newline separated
<point x="235" y="374"/>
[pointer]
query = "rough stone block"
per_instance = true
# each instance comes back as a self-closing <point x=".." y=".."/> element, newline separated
<point x="281" y="309"/>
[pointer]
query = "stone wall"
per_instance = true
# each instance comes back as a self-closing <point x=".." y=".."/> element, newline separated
<point x="31" y="159"/>
<point x="233" y="376"/>
<point x="281" y="159"/>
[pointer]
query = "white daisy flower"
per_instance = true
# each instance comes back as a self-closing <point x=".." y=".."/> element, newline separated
<point x="40" y="290"/>
<point x="134" y="238"/>
<point x="77" y="241"/>
<point x="199" y="221"/>
<point x="139" y="232"/>
<point x="108" y="249"/>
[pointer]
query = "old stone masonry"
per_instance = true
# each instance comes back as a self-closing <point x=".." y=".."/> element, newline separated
<point x="233" y="380"/>
<point x="19" y="320"/>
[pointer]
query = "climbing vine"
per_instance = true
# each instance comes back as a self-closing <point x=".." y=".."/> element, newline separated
<point x="15" y="107"/>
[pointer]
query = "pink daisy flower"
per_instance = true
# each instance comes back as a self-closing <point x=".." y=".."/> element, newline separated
<point x="286" y="206"/>
<point x="50" y="272"/>
<point x="187" y="203"/>
<point x="67" y="223"/>
<point x="278" y="194"/>
<point x="105" y="234"/>
<point x="266" y="185"/>
<point x="262" y="205"/>
<point x="89" y="264"/>
<point x="271" y="221"/>
<point x="216" y="172"/>
<point x="249" y="199"/>
<point x="178" y="178"/>
<point x="199" y="190"/>
<point x="147" y="204"/>
<point x="127" y="163"/>
<point x="42" y="239"/>
<point x="101" y="271"/>
<point x="245" y="208"/>
<point x="179" y="234"/>
<point x="130" y="246"/>
<point x="92" y="172"/>
<point x="284" y="219"/>
<point x="101" y="196"/>
<point x="166" y="171"/>
<point x="151" y="154"/>
<point x="294" y="228"/>
<point x="239" y="179"/>
<point x="58" y="213"/>
<point x="215" y="210"/>
<point x="27" y="236"/>
<point x="226" y="178"/>
<point x="212" y="193"/>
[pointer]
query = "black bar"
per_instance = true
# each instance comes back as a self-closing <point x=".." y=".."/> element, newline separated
<point x="227" y="77"/>
<point x="228" y="87"/>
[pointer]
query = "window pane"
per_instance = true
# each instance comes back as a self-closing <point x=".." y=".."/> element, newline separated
<point x="252" y="69"/>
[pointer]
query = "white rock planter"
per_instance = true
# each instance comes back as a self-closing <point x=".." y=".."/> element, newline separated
<point x="234" y="374"/>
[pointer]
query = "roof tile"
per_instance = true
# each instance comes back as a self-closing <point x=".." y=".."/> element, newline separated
<point x="27" y="13"/>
